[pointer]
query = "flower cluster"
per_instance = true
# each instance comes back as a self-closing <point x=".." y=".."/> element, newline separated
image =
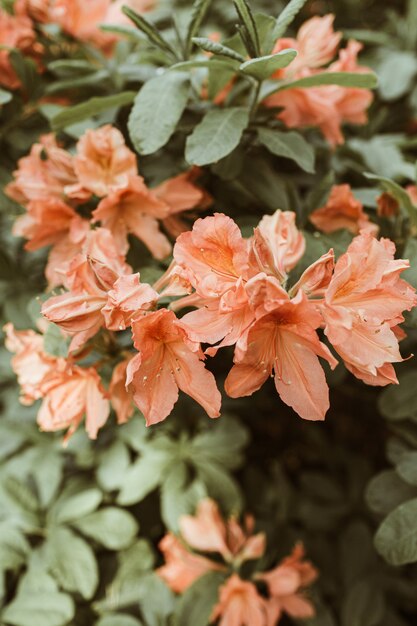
<point x="240" y="601"/>
<point x="241" y="290"/>
<point x="326" y="107"/>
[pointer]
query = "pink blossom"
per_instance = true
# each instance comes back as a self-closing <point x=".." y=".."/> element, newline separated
<point x="240" y="605"/>
<point x="342" y="210"/>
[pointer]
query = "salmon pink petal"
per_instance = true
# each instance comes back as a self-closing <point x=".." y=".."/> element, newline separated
<point x="121" y="397"/>
<point x="128" y="299"/>
<point x="206" y="531"/>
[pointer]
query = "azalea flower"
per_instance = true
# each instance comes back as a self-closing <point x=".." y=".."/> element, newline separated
<point x="240" y="605"/>
<point x="16" y="31"/>
<point x="363" y="305"/>
<point x="121" y="396"/>
<point x="342" y="210"/>
<point x="167" y="360"/>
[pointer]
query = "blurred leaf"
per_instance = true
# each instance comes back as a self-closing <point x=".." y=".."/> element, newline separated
<point x="221" y="443"/>
<point x="343" y="79"/>
<point x="5" y="96"/>
<point x="407" y="468"/>
<point x="198" y="12"/>
<point x="91" y="107"/>
<point x="217" y="48"/>
<point x="157" y="110"/>
<point x="197" y="602"/>
<point x="179" y="496"/>
<point x="216" y="135"/>
<point x="73" y="506"/>
<point x="118" y="620"/>
<point x="114" y="528"/>
<point x="245" y="13"/>
<point x="14" y="548"/>
<point x="396" y="538"/>
<point x="396" y="71"/>
<point x="290" y="145"/>
<point x="363" y="605"/>
<point x="400" y="401"/>
<point x="156" y="600"/>
<point x="54" y="342"/>
<point x="71" y="562"/>
<point x="39" y="609"/>
<point x="386" y="491"/>
<point x="142" y="477"/>
<point x="148" y="29"/>
<point x="113" y="464"/>
<point x="286" y="17"/>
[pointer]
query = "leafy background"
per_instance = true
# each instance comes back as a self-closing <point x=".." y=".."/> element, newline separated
<point x="79" y="527"/>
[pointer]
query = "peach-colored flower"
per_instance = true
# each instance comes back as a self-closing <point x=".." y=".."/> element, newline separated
<point x="103" y="162"/>
<point x="68" y="396"/>
<point x="208" y="532"/>
<point x="180" y="194"/>
<point x="214" y="255"/>
<point x="284" y="341"/>
<point x="37" y="10"/>
<point x="316" y="278"/>
<point x="46" y="222"/>
<point x="182" y="568"/>
<point x="90" y="277"/>
<point x="167" y="361"/>
<point x="135" y="209"/>
<point x="121" y="397"/>
<point x="127" y="300"/>
<point x="326" y="107"/>
<point x="43" y="174"/>
<point x="65" y="250"/>
<point x="81" y="20"/>
<point x="114" y="14"/>
<point x="362" y="306"/>
<point x="286" y="584"/>
<point x="16" y="31"/>
<point x="342" y="210"/>
<point x="30" y="363"/>
<point x="277" y="245"/>
<point x="240" y="605"/>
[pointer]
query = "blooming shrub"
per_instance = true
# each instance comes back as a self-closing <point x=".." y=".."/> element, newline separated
<point x="208" y="210"/>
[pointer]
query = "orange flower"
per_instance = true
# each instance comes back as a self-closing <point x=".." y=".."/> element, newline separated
<point x="182" y="568"/>
<point x="363" y="305"/>
<point x="135" y="209"/>
<point x="16" y="31"/>
<point x="240" y="605"/>
<point x="387" y="205"/>
<point x="103" y="162"/>
<point x="81" y="20"/>
<point x="342" y="210"/>
<point x="120" y="396"/>
<point x="167" y="361"/>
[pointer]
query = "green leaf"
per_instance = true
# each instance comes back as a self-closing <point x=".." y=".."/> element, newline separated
<point x="149" y="30"/>
<point x="263" y="67"/>
<point x="70" y="507"/>
<point x="39" y="609"/>
<point x="248" y="21"/>
<point x="221" y="443"/>
<point x="71" y="562"/>
<point x="400" y="401"/>
<point x="91" y="107"/>
<point x="363" y="605"/>
<point x="343" y="79"/>
<point x="112" y="527"/>
<point x="198" y="12"/>
<point x="5" y="96"/>
<point x="179" y="496"/>
<point x="157" y="110"/>
<point x="286" y="17"/>
<point x="196" y="603"/>
<point x="113" y="465"/>
<point x="216" y="135"/>
<point x="142" y="477"/>
<point x="217" y="48"/>
<point x="118" y="620"/>
<point x="220" y="486"/>
<point x="396" y="72"/>
<point x="14" y="548"/>
<point x="386" y="491"/>
<point x="396" y="538"/>
<point x="47" y="471"/>
<point x="290" y="145"/>
<point x="261" y="180"/>
<point x="407" y="468"/>
<point x="156" y="600"/>
<point x="383" y="155"/>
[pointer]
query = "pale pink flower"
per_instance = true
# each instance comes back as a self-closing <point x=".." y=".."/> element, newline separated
<point x="286" y="584"/>
<point x="208" y="532"/>
<point x="316" y="278"/>
<point x="65" y="250"/>
<point x="362" y="306"/>
<point x="167" y="361"/>
<point x="103" y="163"/>
<point x="135" y="209"/>
<point x="182" y="568"/>
<point x="127" y="300"/>
<point x="342" y="210"/>
<point x="121" y="397"/>
<point x="68" y="396"/>
<point x="283" y="342"/>
<point x="240" y="605"/>
<point x="277" y="244"/>
<point x="43" y="174"/>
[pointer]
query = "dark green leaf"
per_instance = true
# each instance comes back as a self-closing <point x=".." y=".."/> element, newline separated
<point x="196" y="604"/>
<point x="386" y="491"/>
<point x="112" y="527"/>
<point x="198" y="11"/>
<point x="396" y="538"/>
<point x="217" y="48"/>
<point x="286" y="17"/>
<point x="263" y="67"/>
<point x="91" y="107"/>
<point x="363" y="605"/>
<point x="148" y="29"/>
<point x="248" y="21"/>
